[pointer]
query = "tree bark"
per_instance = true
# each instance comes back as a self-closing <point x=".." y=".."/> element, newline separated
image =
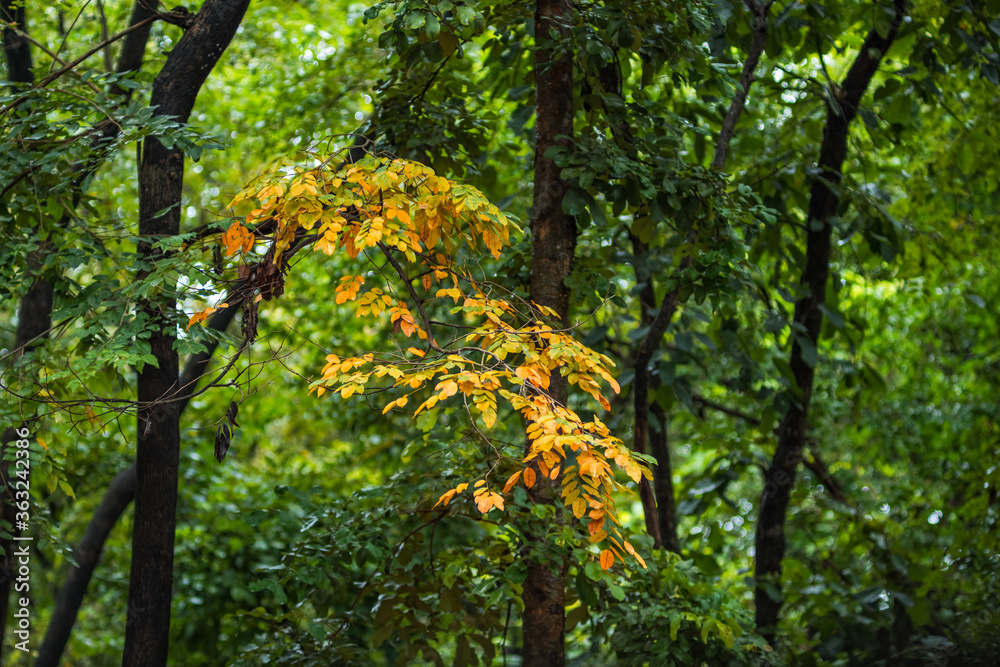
<point x="760" y="31"/>
<point x="553" y="244"/>
<point x="823" y="201"/>
<point x="16" y="48"/>
<point x="161" y="174"/>
<point x="35" y="312"/>
<point x="658" y="501"/>
<point x="653" y="504"/>
<point x="120" y="493"/>
<point x="663" y="482"/>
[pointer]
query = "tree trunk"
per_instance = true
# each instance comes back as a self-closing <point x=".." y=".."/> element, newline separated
<point x="120" y="493"/>
<point x="161" y="174"/>
<point x="16" y="48"/>
<point x="760" y="31"/>
<point x="35" y="312"/>
<point x="823" y="202"/>
<point x="553" y="244"/>
<point x="663" y="482"/>
<point x="658" y="501"/>
<point x="659" y="509"/>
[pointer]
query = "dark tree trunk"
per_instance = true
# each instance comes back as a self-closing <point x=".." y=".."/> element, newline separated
<point x="658" y="501"/>
<point x="823" y="202"/>
<point x="34" y="317"/>
<point x="553" y="244"/>
<point x="16" y="48"/>
<point x="161" y="174"/>
<point x="118" y="496"/>
<point x="120" y="493"/>
<point x="34" y="314"/>
<point x="663" y="482"/>
<point x="760" y="30"/>
<point x="659" y="511"/>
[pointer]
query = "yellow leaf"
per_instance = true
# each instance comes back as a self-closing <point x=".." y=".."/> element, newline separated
<point x="497" y="500"/>
<point x="446" y="497"/>
<point x="607" y="560"/>
<point x="416" y="351"/>
<point x="579" y="509"/>
<point x="447" y="388"/>
<point x="398" y="403"/>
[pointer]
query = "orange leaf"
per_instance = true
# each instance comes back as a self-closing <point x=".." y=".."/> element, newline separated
<point x="529" y="477"/>
<point x="484" y="502"/>
<point x="511" y="481"/>
<point x="607" y="560"/>
<point x="200" y="317"/>
<point x="237" y="237"/>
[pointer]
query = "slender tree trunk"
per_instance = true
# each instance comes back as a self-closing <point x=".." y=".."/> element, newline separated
<point x="34" y="314"/>
<point x="663" y="482"/>
<point x="117" y="498"/>
<point x="553" y="244"/>
<point x="16" y="48"/>
<point x="739" y="102"/>
<point x="645" y="434"/>
<point x="161" y="175"/>
<point x="658" y="502"/>
<point x="792" y="433"/>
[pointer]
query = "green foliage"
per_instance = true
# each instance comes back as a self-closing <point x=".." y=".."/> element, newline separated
<point x="316" y="541"/>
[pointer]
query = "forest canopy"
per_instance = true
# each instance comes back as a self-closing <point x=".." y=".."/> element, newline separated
<point x="519" y="333"/>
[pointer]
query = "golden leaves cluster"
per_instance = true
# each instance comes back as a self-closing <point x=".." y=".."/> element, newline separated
<point x="401" y="204"/>
<point x="401" y="209"/>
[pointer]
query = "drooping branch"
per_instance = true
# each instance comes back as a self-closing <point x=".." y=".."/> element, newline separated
<point x="793" y="431"/>
<point x="73" y="63"/>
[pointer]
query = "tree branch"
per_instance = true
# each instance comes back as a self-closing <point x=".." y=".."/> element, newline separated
<point x="760" y="32"/>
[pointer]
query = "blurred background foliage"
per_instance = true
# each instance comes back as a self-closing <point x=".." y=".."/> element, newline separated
<point x="314" y="542"/>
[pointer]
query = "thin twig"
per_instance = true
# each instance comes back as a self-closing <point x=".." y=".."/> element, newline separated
<point x="72" y="64"/>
